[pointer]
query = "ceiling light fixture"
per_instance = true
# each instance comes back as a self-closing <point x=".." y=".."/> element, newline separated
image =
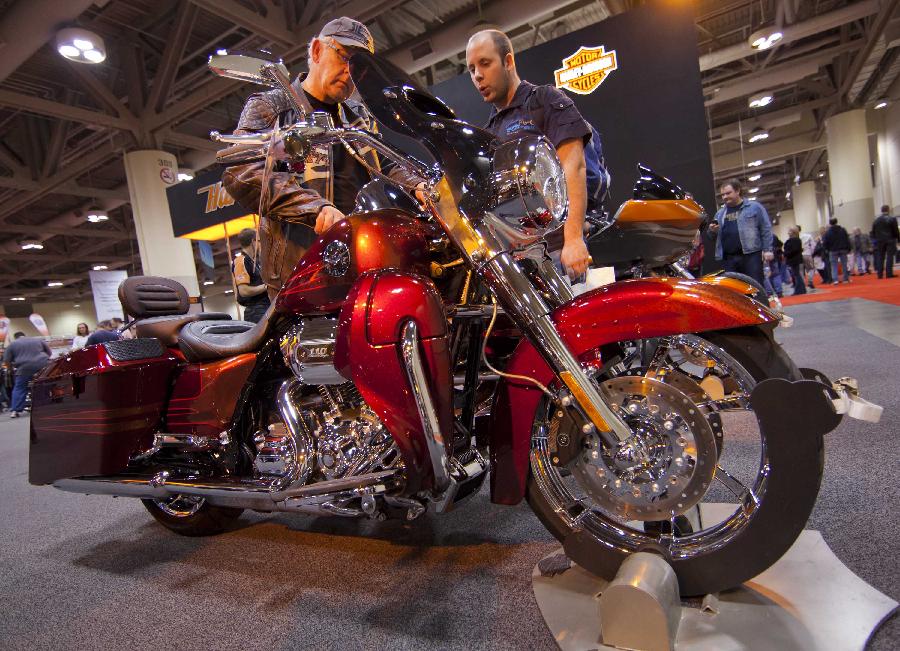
<point x="757" y="135"/>
<point x="228" y="291"/>
<point x="881" y="104"/>
<point x="55" y="283"/>
<point x="821" y="175"/>
<point x="31" y="245"/>
<point x="100" y="267"/>
<point x="763" y="39"/>
<point x="755" y="163"/>
<point x="17" y="298"/>
<point x="753" y="190"/>
<point x="95" y="215"/>
<point x="787" y="196"/>
<point x="209" y="282"/>
<point x="761" y="99"/>
<point x="185" y="175"/>
<point x="81" y="45"/>
<point x="755" y="177"/>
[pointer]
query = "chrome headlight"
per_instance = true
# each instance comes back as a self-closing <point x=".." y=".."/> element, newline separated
<point x="529" y="188"/>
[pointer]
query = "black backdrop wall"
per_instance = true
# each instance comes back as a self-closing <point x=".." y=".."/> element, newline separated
<point x="649" y="110"/>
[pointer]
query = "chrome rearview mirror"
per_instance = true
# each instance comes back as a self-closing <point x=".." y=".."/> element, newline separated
<point x="260" y="67"/>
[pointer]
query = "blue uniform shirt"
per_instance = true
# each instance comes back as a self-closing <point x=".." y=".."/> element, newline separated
<point x="548" y="113"/>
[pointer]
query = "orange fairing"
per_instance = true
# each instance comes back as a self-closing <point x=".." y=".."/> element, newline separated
<point x="733" y="284"/>
<point x="681" y="213"/>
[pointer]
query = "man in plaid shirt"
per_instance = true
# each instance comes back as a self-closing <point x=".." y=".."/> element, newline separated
<point x="316" y="193"/>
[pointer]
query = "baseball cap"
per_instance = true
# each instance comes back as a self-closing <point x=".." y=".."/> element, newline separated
<point x="349" y="32"/>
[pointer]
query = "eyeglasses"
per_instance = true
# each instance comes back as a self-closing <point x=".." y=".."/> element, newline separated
<point x="341" y="55"/>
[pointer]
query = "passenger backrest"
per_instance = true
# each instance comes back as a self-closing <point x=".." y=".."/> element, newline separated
<point x="144" y="297"/>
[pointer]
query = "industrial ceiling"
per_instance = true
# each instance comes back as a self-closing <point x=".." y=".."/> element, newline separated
<point x="65" y="126"/>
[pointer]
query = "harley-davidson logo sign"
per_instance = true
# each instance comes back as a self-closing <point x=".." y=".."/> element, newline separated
<point x="586" y="69"/>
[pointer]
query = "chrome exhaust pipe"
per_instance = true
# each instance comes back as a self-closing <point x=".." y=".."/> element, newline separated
<point x="259" y="494"/>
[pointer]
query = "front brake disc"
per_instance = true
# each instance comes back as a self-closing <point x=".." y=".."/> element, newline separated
<point x="667" y="465"/>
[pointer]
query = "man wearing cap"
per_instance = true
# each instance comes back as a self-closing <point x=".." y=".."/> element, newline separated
<point x="320" y="191"/>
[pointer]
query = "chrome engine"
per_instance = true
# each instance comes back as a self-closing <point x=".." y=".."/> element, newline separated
<point x="328" y="437"/>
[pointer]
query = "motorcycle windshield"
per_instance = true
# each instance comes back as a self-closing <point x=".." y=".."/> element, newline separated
<point x="463" y="151"/>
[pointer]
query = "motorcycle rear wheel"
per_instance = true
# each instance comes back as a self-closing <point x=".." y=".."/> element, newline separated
<point x="191" y="516"/>
<point x="726" y="553"/>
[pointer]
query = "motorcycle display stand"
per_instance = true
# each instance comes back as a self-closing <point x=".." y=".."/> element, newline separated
<point x="808" y="600"/>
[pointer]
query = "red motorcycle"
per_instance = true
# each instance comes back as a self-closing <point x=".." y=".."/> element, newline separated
<point x="409" y="355"/>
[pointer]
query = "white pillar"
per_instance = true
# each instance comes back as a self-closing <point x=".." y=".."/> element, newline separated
<point x="849" y="169"/>
<point x="149" y="173"/>
<point x="786" y="220"/>
<point x="806" y="208"/>
<point x="889" y="156"/>
<point x="824" y="211"/>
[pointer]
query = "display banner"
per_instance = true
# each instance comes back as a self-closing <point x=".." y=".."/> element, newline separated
<point x="38" y="322"/>
<point x="105" y="286"/>
<point x="4" y="328"/>
<point x="636" y="78"/>
<point x="206" y="254"/>
<point x="200" y="203"/>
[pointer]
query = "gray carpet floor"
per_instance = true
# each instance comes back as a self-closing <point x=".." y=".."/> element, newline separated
<point x="98" y="573"/>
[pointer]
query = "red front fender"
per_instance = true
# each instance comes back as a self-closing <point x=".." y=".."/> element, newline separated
<point x="632" y="309"/>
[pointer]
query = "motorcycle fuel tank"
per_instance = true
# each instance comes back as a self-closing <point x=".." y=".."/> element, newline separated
<point x="383" y="239"/>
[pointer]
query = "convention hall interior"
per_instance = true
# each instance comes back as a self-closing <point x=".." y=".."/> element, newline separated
<point x="777" y="118"/>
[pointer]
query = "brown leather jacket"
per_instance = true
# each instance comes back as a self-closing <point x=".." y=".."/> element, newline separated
<point x="294" y="198"/>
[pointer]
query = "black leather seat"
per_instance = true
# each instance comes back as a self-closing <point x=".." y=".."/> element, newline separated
<point x="159" y="307"/>
<point x="166" y="328"/>
<point x="203" y="341"/>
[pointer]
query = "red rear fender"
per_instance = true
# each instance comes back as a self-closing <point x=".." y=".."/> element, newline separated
<point x="632" y="309"/>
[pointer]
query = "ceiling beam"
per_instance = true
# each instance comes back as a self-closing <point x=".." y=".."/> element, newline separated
<point x="52" y="109"/>
<point x="265" y="26"/>
<point x="788" y="72"/>
<point x="69" y="172"/>
<point x="168" y="67"/>
<point x="188" y="141"/>
<point x="102" y="94"/>
<point x="767" y="119"/>
<point x="85" y="231"/>
<point x="57" y="144"/>
<point x="71" y="188"/>
<point x="217" y="88"/>
<point x="797" y="31"/>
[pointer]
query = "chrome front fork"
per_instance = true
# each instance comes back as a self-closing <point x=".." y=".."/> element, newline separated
<point x="519" y="297"/>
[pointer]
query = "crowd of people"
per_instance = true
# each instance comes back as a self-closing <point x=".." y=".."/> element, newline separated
<point x="25" y="356"/>
<point x="746" y="244"/>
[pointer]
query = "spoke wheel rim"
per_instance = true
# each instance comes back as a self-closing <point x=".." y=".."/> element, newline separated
<point x="180" y="506"/>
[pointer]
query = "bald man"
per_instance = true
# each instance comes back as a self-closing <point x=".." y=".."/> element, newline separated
<point x="521" y="108"/>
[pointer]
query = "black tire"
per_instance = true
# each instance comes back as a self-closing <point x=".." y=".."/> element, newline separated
<point x="202" y="520"/>
<point x="792" y="487"/>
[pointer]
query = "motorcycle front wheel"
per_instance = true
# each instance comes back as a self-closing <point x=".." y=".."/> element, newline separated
<point x="701" y="483"/>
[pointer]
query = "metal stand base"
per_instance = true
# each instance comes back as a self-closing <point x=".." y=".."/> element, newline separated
<point x="807" y="601"/>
